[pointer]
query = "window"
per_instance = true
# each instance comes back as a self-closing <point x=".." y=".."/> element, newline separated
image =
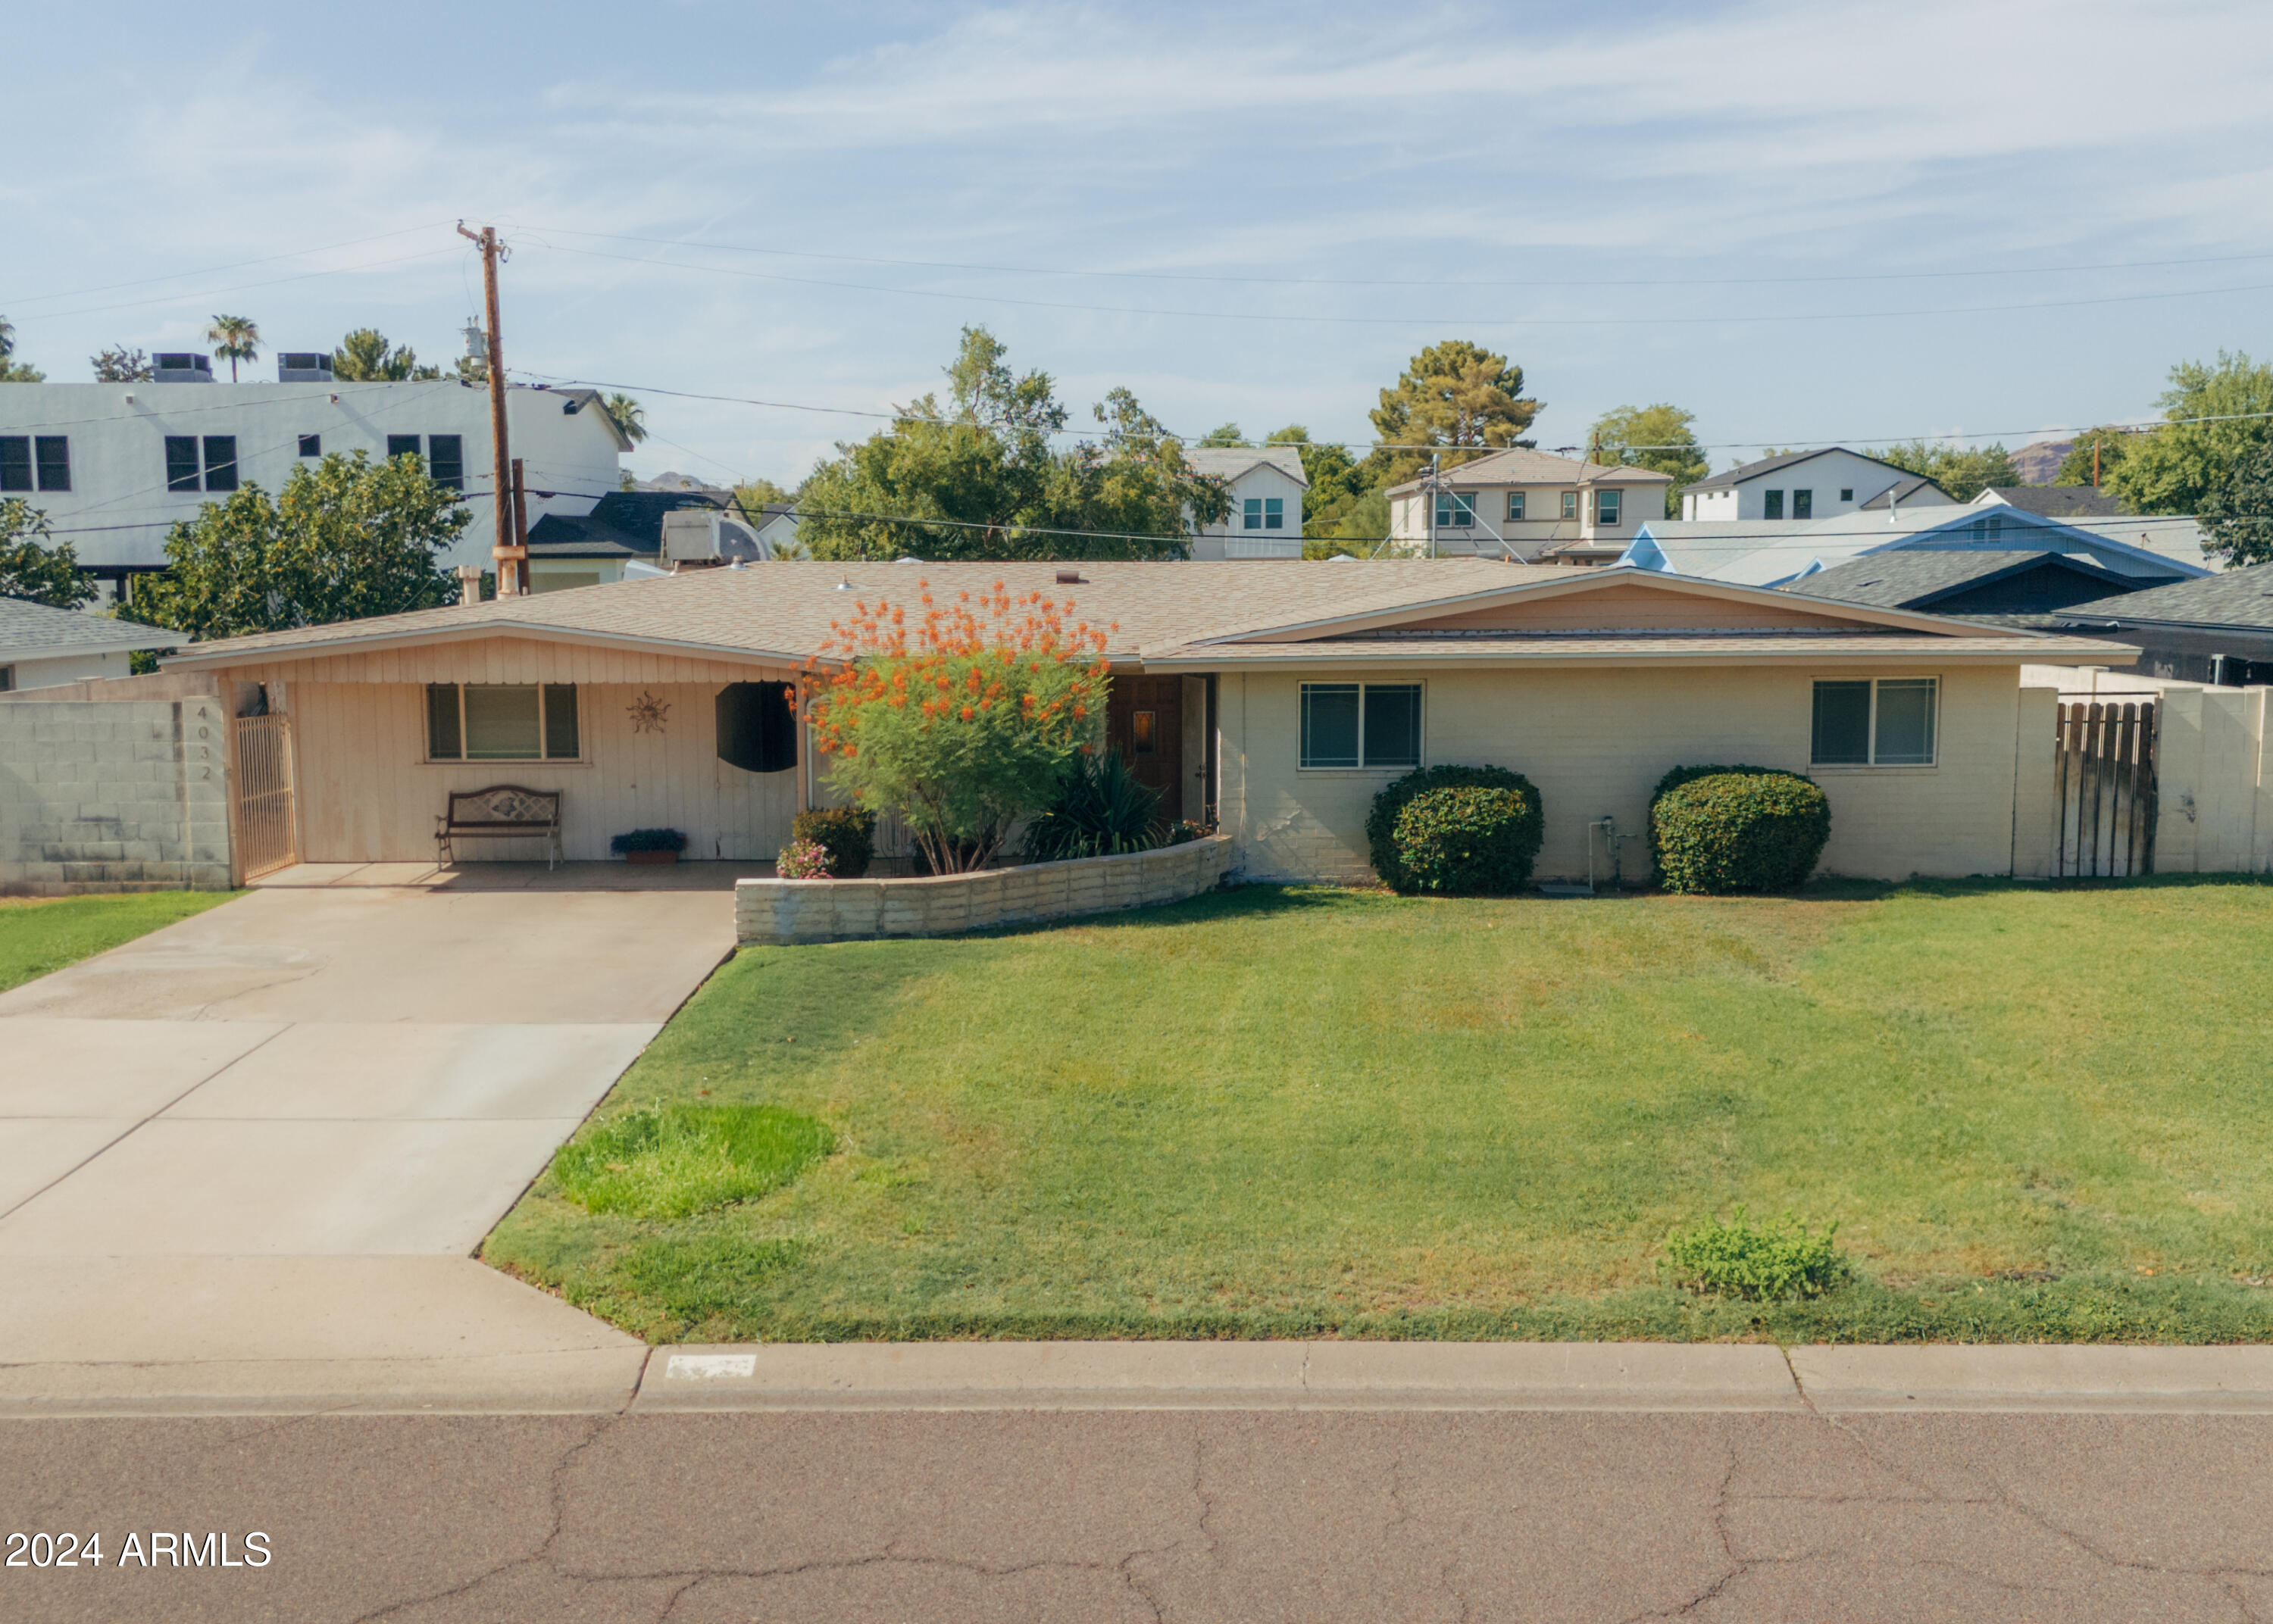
<point x="1515" y="507"/>
<point x="401" y="445"/>
<point x="15" y="462"/>
<point x="221" y="462"/>
<point x="496" y="723"/>
<point x="1772" y="504"/>
<point x="445" y="461"/>
<point x="311" y="444"/>
<point x="7" y="679"/>
<point x="1846" y="493"/>
<point x="1888" y="723"/>
<point x="54" y="456"/>
<point x="1353" y="724"/>
<point x="1803" y="504"/>
<point x="1606" y="506"/>
<point x="181" y="462"/>
<point x="1144" y="732"/>
<point x="1570" y="504"/>
<point x="1262" y="514"/>
<point x="1456" y="509"/>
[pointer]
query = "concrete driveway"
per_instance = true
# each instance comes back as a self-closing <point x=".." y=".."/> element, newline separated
<point x="267" y="1140"/>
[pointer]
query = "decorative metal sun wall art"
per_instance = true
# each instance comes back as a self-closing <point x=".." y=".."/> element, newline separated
<point x="647" y="713"/>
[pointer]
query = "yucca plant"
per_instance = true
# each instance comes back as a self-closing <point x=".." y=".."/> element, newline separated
<point x="1101" y="811"/>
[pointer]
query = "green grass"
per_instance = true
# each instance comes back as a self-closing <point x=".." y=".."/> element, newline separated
<point x="2035" y="1112"/>
<point x="676" y="1160"/>
<point x="39" y="937"/>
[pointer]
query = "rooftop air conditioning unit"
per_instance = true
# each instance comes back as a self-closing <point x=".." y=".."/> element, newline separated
<point x="175" y="368"/>
<point x="705" y="535"/>
<point x="303" y="366"/>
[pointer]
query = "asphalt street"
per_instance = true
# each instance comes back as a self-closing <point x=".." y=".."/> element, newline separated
<point x="1097" y="1515"/>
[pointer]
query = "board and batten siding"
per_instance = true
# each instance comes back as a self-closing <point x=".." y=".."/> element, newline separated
<point x="367" y="794"/>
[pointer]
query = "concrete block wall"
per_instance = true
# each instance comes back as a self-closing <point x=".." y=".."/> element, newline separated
<point x="779" y="912"/>
<point x="118" y="796"/>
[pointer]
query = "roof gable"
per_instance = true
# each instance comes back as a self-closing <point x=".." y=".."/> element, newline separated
<point x="1776" y="465"/>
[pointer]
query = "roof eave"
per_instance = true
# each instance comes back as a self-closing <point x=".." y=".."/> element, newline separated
<point x="219" y="655"/>
<point x="2009" y="650"/>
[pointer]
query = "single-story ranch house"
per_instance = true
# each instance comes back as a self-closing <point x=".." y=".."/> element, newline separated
<point x="1272" y="698"/>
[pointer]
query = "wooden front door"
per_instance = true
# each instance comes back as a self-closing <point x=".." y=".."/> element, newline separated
<point x="1145" y="721"/>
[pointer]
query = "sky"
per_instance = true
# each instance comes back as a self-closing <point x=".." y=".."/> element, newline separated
<point x="1805" y="223"/>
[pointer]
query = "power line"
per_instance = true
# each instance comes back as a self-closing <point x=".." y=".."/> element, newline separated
<point x="1406" y="321"/>
<point x="173" y="298"/>
<point x="1368" y="282"/>
<point x="233" y="264"/>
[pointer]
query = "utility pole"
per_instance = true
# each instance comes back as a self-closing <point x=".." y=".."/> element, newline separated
<point x="1435" y="459"/>
<point x="509" y="554"/>
<point x="2095" y="464"/>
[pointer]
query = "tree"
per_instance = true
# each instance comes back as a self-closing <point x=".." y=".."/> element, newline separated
<point x="628" y="415"/>
<point x="2176" y="466"/>
<point x="2236" y="516"/>
<point x="31" y="569"/>
<point x="12" y="371"/>
<point x="344" y="539"/>
<point x="363" y="357"/>
<point x="1225" y="435"/>
<point x="753" y="496"/>
<point x="120" y="365"/>
<point x="1457" y="396"/>
<point x="1653" y="437"/>
<point x="1360" y="532"/>
<point x="2078" y="468"/>
<point x="979" y="477"/>
<point x="1336" y="479"/>
<point x="963" y="723"/>
<point x="234" y="339"/>
<point x="1963" y="473"/>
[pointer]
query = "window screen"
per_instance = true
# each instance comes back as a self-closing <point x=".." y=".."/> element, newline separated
<point x="221" y="462"/>
<point x="311" y="444"/>
<point x="1772" y="504"/>
<point x="1392" y="724"/>
<point x="1606" y="506"/>
<point x="1803" y="504"/>
<point x="1274" y="513"/>
<point x="560" y="740"/>
<point x="1904" y="734"/>
<point x="1330" y="713"/>
<point x="1515" y="507"/>
<point x="181" y="462"/>
<point x="401" y="445"/>
<point x="1455" y="508"/>
<point x="15" y="462"/>
<point x="1843" y="724"/>
<point x="502" y="724"/>
<point x="445" y="460"/>
<point x="1250" y="514"/>
<point x="1570" y="504"/>
<point x="55" y="462"/>
<point x="443" y="742"/>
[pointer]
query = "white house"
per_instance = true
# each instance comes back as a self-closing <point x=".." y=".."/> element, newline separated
<point x="114" y="466"/>
<point x="1527" y="506"/>
<point x="41" y="647"/>
<point x="1266" y="484"/>
<point x="1803" y="485"/>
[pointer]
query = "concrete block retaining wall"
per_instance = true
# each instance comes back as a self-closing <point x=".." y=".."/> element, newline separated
<point x="777" y="912"/>
<point x="117" y="796"/>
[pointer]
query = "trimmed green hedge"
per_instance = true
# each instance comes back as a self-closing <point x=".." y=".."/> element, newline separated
<point x="847" y="833"/>
<point x="1736" y="828"/>
<point x="1456" y="831"/>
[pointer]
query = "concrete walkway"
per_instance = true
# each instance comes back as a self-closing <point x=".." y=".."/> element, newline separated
<point x="248" y="1157"/>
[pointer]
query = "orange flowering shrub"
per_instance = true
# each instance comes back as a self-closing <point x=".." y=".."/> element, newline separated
<point x="961" y="716"/>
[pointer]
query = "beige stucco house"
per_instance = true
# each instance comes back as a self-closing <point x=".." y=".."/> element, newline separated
<point x="1526" y="507"/>
<point x="1274" y="699"/>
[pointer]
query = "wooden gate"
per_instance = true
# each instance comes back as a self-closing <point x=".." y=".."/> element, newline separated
<point x="267" y="836"/>
<point x="2104" y="760"/>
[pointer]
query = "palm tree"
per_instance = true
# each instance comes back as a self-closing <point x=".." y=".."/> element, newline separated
<point x="234" y="339"/>
<point x="630" y="416"/>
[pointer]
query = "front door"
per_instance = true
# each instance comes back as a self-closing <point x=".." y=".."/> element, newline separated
<point x="1145" y="721"/>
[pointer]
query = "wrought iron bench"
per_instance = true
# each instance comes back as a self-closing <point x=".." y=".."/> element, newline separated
<point x="502" y="812"/>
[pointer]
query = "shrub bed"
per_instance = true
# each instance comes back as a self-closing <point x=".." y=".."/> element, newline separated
<point x="1456" y="831"/>
<point x="1717" y="829"/>
<point x="847" y="835"/>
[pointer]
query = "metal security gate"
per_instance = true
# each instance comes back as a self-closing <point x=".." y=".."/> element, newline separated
<point x="266" y="831"/>
<point x="2104" y="762"/>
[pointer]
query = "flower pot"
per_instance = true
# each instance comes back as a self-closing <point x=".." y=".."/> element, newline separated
<point x="650" y="856"/>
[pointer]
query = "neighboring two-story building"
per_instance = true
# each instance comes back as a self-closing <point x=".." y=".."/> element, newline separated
<point x="1530" y="506"/>
<point x="1805" y="485"/>
<point x="115" y="466"/>
<point x="1266" y="484"/>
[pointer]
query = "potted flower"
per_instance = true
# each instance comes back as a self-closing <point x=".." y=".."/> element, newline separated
<point x="649" y="845"/>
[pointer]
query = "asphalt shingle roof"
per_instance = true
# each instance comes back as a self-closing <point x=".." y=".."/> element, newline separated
<point x="1770" y="465"/>
<point x="622" y="524"/>
<point x="2241" y="597"/>
<point x="1901" y="576"/>
<point x="30" y="631"/>
<point x="1230" y="462"/>
<point x="1520" y="465"/>
<point x="2053" y="501"/>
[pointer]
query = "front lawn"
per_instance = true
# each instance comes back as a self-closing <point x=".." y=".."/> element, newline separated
<point x="38" y="936"/>
<point x="2035" y="1112"/>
